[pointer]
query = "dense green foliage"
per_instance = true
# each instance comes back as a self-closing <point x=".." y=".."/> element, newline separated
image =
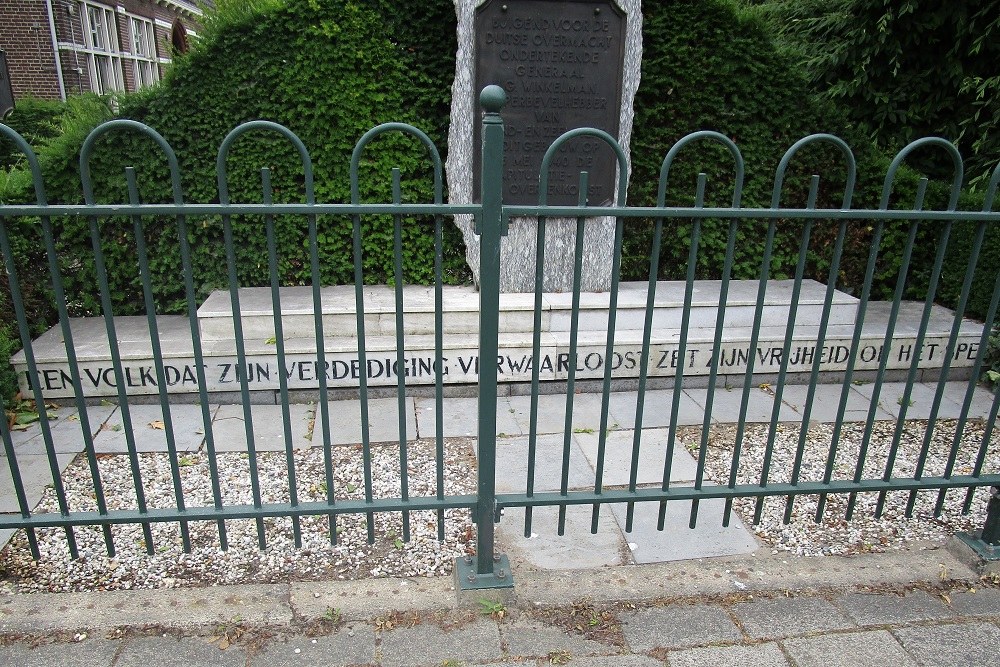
<point x="903" y="69"/>
<point x="709" y="65"/>
<point x="35" y="120"/>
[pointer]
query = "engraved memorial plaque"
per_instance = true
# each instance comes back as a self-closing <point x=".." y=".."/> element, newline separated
<point x="561" y="65"/>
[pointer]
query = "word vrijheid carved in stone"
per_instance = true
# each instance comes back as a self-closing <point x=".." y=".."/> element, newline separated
<point x="563" y="64"/>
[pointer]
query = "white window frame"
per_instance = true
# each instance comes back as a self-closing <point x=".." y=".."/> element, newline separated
<point x="143" y="51"/>
<point x="101" y="45"/>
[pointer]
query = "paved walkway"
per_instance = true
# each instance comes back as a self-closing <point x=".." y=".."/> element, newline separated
<point x="905" y="614"/>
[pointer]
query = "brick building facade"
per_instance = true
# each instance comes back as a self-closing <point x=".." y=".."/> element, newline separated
<point x="56" y="48"/>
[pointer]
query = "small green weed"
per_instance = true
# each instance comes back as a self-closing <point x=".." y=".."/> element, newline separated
<point x="492" y="608"/>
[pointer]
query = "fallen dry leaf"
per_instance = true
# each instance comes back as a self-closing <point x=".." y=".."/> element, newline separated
<point x="157" y="424"/>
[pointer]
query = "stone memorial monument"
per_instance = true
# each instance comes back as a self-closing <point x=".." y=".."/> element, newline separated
<point x="564" y="64"/>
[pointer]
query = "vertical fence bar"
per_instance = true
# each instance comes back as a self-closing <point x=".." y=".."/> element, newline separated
<point x="154" y="339"/>
<point x="492" y="99"/>
<point x="439" y="367"/>
<point x="574" y="333"/>
<point x="793" y="305"/>
<point x="397" y="243"/>
<point x="279" y="343"/>
<point x="536" y="354"/>
<point x="692" y="263"/>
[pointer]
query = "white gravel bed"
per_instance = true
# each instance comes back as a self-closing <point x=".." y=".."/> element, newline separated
<point x="207" y="564"/>
<point x="864" y="533"/>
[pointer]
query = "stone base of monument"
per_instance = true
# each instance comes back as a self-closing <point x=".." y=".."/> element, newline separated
<point x="460" y="360"/>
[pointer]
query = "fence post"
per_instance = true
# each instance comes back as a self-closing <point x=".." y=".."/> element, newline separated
<point x="488" y="570"/>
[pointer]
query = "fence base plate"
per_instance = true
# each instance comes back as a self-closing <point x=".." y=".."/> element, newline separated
<point x="469" y="580"/>
<point x="987" y="552"/>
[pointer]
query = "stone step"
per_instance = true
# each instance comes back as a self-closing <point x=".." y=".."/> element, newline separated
<point x="461" y="361"/>
<point x="461" y="309"/>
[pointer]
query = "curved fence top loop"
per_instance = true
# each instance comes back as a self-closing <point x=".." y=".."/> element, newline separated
<point x="543" y="175"/>
<point x="236" y="132"/>
<point x="991" y="190"/>
<point x="36" y="170"/>
<point x="956" y="158"/>
<point x="405" y="128"/>
<point x="142" y="128"/>
<point x="661" y="196"/>
<point x="852" y="166"/>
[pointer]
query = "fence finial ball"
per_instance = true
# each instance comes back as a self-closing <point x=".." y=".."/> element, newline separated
<point x="493" y="98"/>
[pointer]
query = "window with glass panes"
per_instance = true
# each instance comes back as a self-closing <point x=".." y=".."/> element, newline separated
<point x="144" y="51"/>
<point x="100" y="31"/>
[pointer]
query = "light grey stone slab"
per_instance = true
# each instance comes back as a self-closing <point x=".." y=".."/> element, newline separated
<point x="826" y="403"/>
<point x="512" y="464"/>
<point x="921" y="401"/>
<point x="383" y="422"/>
<point x="349" y="645"/>
<point x="67" y="431"/>
<point x="6" y="535"/>
<point x="984" y="602"/>
<point x="785" y="617"/>
<point x="726" y="405"/>
<point x="35" y="476"/>
<point x="874" y="609"/>
<point x="953" y="398"/>
<point x="90" y="652"/>
<point x="476" y="642"/>
<point x="148" y="426"/>
<point x="535" y="639"/>
<point x="854" y="649"/>
<point x="678" y="541"/>
<point x="951" y="645"/>
<point x="460" y="417"/>
<point x="657" y="408"/>
<point x="612" y="661"/>
<point x="230" y="435"/>
<point x="188" y="651"/>
<point x="762" y="655"/>
<point x="552" y="412"/>
<point x="678" y="626"/>
<point x="577" y="549"/>
<point x="652" y="455"/>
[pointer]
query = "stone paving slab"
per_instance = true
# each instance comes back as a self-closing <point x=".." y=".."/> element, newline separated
<point x="678" y="626"/>
<point x="383" y="422"/>
<point x="921" y="400"/>
<point x="952" y="645"/>
<point x="652" y="455"/>
<point x="150" y="434"/>
<point x="984" y="602"/>
<point x="826" y="403"/>
<point x="459" y="417"/>
<point x="475" y="642"/>
<point x="677" y="541"/>
<point x="349" y="645"/>
<point x="762" y="655"/>
<point x="534" y="639"/>
<point x="89" y="653"/>
<point x="871" y="609"/>
<point x="66" y="430"/>
<point x="853" y="649"/>
<point x="187" y="651"/>
<point x="512" y="464"/>
<point x="229" y="428"/>
<point x="657" y="408"/>
<point x="786" y="617"/>
<point x="546" y="549"/>
<point x="35" y="476"/>
<point x="552" y="412"/>
<point x="726" y="405"/>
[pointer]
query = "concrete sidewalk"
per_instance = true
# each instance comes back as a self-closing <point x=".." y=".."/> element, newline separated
<point x="919" y="608"/>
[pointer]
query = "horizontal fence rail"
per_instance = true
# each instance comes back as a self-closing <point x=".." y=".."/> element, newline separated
<point x="863" y="467"/>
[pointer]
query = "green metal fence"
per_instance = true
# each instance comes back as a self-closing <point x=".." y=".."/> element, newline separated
<point x="489" y="569"/>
